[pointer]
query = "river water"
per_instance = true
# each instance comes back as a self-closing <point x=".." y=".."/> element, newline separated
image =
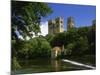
<point x="46" y="65"/>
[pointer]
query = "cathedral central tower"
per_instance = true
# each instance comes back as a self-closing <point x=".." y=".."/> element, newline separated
<point x="70" y="23"/>
<point x="56" y="25"/>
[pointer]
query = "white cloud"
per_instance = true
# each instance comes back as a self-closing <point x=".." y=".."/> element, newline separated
<point x="20" y="37"/>
<point x="44" y="31"/>
<point x="44" y="28"/>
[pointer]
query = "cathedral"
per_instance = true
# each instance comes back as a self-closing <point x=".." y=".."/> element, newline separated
<point x="57" y="25"/>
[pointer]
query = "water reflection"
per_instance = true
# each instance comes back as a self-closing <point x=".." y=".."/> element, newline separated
<point x="56" y="64"/>
<point x="46" y="65"/>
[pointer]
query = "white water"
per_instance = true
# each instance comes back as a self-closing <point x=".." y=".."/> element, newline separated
<point x="79" y="64"/>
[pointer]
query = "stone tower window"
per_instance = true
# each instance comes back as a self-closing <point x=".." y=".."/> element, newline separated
<point x="61" y="26"/>
<point x="61" y="21"/>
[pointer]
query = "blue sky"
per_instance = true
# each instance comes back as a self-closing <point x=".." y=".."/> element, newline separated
<point x="83" y="14"/>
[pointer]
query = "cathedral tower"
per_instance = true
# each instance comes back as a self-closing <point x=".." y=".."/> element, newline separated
<point x="56" y="25"/>
<point x="70" y="23"/>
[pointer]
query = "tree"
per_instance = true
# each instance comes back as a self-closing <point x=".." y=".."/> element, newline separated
<point x="69" y="48"/>
<point x="26" y="17"/>
<point x="43" y="47"/>
<point x="49" y="37"/>
<point x="80" y="46"/>
<point x="71" y="35"/>
<point x="22" y="49"/>
<point x="15" y="64"/>
<point x="59" y="39"/>
<point x="83" y="31"/>
<point x="92" y="38"/>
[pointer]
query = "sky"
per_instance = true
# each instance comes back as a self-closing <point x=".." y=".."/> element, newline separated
<point x="83" y="14"/>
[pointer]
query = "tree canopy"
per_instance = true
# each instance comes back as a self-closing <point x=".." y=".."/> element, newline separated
<point x="26" y="17"/>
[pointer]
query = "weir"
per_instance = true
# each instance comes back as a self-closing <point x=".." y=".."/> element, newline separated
<point x="76" y="63"/>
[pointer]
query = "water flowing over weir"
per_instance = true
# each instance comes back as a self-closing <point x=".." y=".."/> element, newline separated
<point x="79" y="64"/>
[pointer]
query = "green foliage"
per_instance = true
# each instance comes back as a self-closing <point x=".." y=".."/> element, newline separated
<point x="15" y="64"/>
<point x="26" y="17"/>
<point x="43" y="47"/>
<point x="69" y="48"/>
<point x="72" y="35"/>
<point x="58" y="40"/>
<point x="22" y="46"/>
<point x="92" y="39"/>
<point x="81" y="46"/>
<point x="83" y="31"/>
<point x="49" y="37"/>
<point x="35" y="47"/>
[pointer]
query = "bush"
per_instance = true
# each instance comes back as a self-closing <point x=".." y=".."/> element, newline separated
<point x="15" y="64"/>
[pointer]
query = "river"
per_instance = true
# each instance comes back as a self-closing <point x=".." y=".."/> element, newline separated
<point x="47" y="65"/>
